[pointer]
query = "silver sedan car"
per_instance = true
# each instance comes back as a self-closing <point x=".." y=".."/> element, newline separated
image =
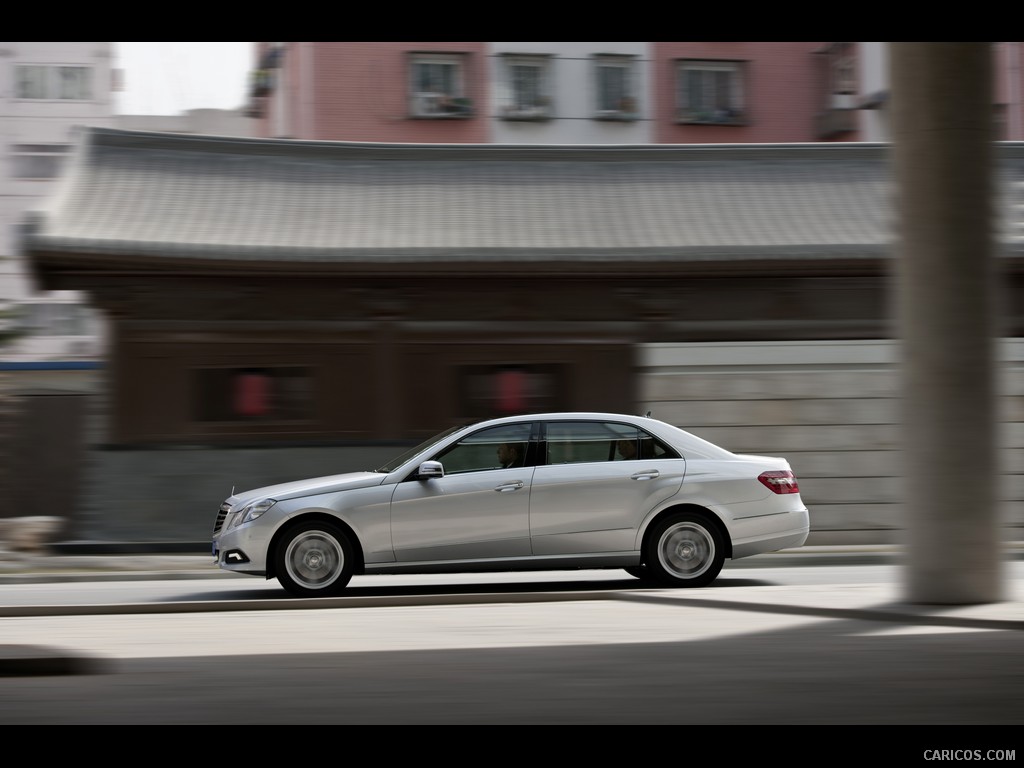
<point x="549" y="491"/>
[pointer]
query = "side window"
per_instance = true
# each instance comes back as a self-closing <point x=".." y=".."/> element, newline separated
<point x="645" y="447"/>
<point x="574" y="442"/>
<point x="488" y="449"/>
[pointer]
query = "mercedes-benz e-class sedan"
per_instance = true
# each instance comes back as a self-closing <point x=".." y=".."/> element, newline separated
<point x="549" y="491"/>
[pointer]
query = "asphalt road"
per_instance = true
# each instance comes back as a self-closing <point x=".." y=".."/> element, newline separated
<point x="754" y="651"/>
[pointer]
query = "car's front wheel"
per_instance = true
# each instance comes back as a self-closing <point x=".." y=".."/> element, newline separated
<point x="314" y="559"/>
<point x="685" y="550"/>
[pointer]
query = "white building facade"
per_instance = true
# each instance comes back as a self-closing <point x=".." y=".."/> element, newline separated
<point x="874" y="83"/>
<point x="46" y="89"/>
<point x="570" y="93"/>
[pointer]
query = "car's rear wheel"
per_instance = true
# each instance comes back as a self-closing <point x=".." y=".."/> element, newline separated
<point x="314" y="559"/>
<point x="685" y="550"/>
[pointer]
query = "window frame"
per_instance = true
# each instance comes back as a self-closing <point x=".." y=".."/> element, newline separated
<point x="688" y="113"/>
<point x="628" y="103"/>
<point x="54" y="81"/>
<point x="511" y="106"/>
<point x="439" y="105"/>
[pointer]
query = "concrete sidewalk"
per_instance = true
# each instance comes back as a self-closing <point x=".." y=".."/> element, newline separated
<point x="126" y="565"/>
<point x="122" y="563"/>
<point x="734" y="605"/>
<point x="737" y="600"/>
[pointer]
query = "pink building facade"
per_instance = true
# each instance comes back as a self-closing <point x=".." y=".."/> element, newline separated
<point x="383" y="92"/>
<point x="745" y="93"/>
<point x="591" y="93"/>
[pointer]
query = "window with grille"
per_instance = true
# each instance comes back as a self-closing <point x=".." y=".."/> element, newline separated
<point x="437" y="86"/>
<point x="614" y="87"/>
<point x="710" y="92"/>
<point x="527" y="91"/>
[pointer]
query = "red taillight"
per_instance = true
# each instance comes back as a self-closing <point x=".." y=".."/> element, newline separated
<point x="780" y="481"/>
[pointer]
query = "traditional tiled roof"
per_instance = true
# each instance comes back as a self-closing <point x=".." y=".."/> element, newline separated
<point x="155" y="195"/>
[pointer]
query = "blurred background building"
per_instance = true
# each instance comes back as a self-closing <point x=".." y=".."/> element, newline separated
<point x="46" y="89"/>
<point x="590" y="93"/>
<point x="435" y="92"/>
<point x="789" y="354"/>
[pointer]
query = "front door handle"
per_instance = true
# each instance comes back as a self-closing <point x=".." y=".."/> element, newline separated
<point x="510" y="486"/>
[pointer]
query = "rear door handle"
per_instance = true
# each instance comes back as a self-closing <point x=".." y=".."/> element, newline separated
<point x="510" y="486"/>
<point x="646" y="475"/>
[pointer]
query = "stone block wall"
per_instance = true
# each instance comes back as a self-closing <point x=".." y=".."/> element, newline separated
<point x="833" y="409"/>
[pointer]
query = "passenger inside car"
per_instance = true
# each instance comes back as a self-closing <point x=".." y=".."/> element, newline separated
<point x="511" y="455"/>
<point x="635" y="449"/>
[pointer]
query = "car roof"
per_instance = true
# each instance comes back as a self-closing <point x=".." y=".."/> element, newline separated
<point x="567" y="416"/>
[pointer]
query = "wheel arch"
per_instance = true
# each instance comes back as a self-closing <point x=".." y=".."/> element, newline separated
<point x="713" y="519"/>
<point x="307" y="517"/>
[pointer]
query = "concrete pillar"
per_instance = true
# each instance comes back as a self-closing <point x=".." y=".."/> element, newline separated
<point x="943" y="162"/>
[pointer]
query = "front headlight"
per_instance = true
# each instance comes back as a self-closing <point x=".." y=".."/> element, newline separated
<point x="251" y="511"/>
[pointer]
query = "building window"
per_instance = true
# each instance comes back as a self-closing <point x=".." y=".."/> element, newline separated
<point x="36" y="81"/>
<point x="527" y="88"/>
<point x="38" y="161"/>
<point x="438" y="86"/>
<point x="32" y="82"/>
<point x="487" y="391"/>
<point x="615" y="88"/>
<point x="253" y="394"/>
<point x="711" y="92"/>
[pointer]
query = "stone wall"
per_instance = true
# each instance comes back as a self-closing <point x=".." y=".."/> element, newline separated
<point x="833" y="409"/>
<point x="172" y="495"/>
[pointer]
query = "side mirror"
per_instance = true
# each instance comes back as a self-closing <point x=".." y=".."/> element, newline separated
<point x="430" y="469"/>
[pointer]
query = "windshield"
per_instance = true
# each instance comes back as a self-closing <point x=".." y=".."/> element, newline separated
<point x="398" y="461"/>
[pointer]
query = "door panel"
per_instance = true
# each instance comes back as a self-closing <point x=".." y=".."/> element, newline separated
<point x="597" y="507"/>
<point x="463" y="516"/>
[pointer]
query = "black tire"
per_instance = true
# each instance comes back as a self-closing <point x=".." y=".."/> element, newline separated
<point x="685" y="550"/>
<point x="314" y="559"/>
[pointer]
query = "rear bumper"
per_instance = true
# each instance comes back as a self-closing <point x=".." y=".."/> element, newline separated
<point x="771" y="533"/>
